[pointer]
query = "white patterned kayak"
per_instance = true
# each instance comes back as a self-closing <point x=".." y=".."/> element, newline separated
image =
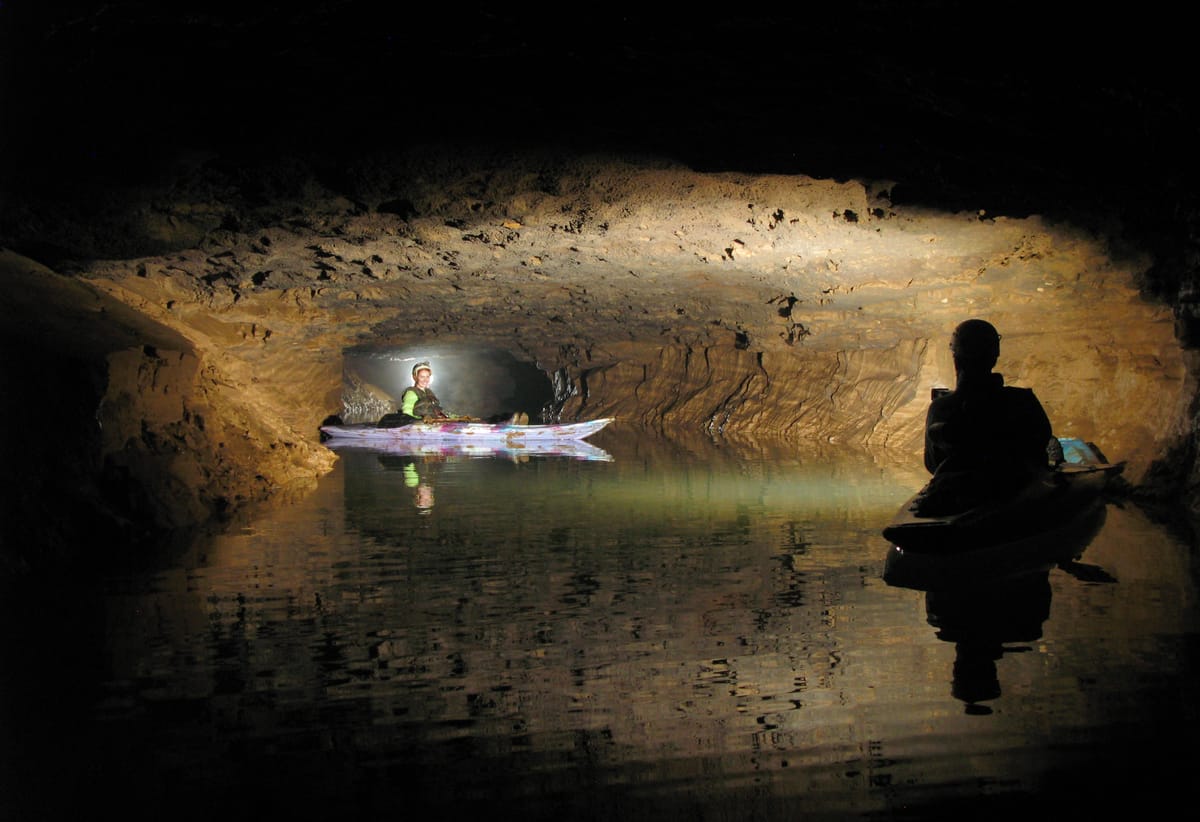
<point x="463" y="433"/>
<point x="442" y="449"/>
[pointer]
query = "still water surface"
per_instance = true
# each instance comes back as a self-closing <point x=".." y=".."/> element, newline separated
<point x="698" y="632"/>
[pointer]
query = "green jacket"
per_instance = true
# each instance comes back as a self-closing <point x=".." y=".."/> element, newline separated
<point x="418" y="403"/>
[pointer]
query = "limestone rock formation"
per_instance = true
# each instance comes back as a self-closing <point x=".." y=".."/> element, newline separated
<point x="756" y="225"/>
<point x="770" y="307"/>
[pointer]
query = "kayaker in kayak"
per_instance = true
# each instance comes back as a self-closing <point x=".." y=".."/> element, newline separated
<point x="418" y="403"/>
<point x="419" y="400"/>
<point x="984" y="439"/>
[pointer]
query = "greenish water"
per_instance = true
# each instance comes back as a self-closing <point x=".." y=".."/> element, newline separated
<point x="697" y="632"/>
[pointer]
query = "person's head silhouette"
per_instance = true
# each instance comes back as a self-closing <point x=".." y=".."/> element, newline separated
<point x="976" y="346"/>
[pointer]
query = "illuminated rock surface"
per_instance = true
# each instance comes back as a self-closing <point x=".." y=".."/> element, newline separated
<point x="211" y="297"/>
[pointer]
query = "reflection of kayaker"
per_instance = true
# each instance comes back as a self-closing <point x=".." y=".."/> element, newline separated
<point x="421" y="486"/>
<point x="424" y="491"/>
<point x="984" y="624"/>
<point x="424" y="497"/>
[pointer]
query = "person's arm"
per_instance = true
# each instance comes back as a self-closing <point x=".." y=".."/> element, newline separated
<point x="1041" y="432"/>
<point x="942" y="429"/>
<point x="933" y="431"/>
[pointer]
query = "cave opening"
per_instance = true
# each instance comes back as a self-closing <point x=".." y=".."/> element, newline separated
<point x="479" y="382"/>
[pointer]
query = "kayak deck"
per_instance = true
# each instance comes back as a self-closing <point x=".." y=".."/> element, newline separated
<point x="1048" y="501"/>
<point x="990" y="564"/>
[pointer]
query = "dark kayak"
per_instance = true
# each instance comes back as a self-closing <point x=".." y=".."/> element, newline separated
<point x="1051" y="501"/>
<point x="981" y="567"/>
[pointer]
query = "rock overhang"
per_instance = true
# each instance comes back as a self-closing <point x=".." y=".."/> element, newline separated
<point x="750" y="308"/>
<point x="575" y="267"/>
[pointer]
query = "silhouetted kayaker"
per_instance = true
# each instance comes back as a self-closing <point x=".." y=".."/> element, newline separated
<point x="983" y="439"/>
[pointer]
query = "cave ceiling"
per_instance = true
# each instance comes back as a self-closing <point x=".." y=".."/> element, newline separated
<point x="1022" y="103"/>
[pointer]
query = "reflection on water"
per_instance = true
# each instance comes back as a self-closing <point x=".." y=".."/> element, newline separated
<point x="994" y="600"/>
<point x="983" y="624"/>
<point x="694" y="632"/>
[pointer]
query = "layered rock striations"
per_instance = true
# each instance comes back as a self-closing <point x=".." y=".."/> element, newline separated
<point x="742" y="306"/>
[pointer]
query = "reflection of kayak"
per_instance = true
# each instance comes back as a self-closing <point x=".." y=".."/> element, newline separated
<point x="461" y="432"/>
<point x="574" y="449"/>
<point x="1053" y="499"/>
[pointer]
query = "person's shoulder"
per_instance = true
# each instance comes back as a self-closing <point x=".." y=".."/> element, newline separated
<point x="1021" y="397"/>
<point x="1020" y="392"/>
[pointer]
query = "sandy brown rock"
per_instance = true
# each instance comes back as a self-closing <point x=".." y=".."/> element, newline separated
<point x="171" y="434"/>
<point x="809" y="311"/>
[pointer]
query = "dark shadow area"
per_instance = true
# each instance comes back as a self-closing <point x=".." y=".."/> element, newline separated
<point x="58" y="458"/>
<point x="984" y="624"/>
<point x="1033" y="111"/>
<point x="990" y="601"/>
<point x="67" y="507"/>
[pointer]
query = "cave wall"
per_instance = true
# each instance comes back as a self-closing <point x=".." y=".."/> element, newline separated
<point x="121" y="430"/>
<point x="195" y="442"/>
<point x="1131" y="403"/>
<point x="811" y="312"/>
